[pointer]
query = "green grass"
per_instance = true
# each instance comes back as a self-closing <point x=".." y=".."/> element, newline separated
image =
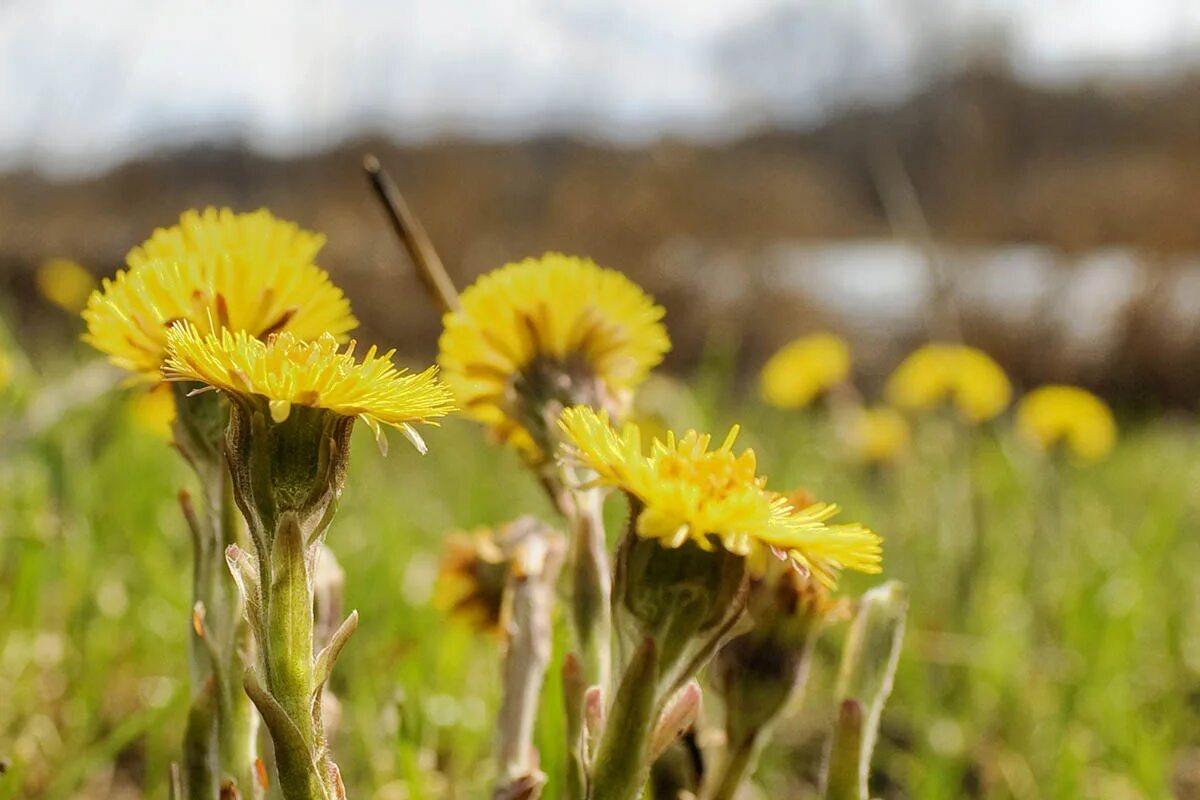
<point x="1053" y="647"/>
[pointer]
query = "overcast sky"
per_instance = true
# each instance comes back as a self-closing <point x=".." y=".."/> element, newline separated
<point x="85" y="84"/>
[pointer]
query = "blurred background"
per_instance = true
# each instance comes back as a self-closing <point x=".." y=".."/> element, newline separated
<point x="1022" y="175"/>
<point x="1031" y="165"/>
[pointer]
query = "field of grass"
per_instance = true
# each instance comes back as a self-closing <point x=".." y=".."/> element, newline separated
<point x="1053" y="647"/>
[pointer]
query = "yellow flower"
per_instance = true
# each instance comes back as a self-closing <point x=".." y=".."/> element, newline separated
<point x="1068" y="415"/>
<point x="154" y="410"/>
<point x="555" y="329"/>
<point x="877" y="435"/>
<point x="65" y="284"/>
<point x="683" y="491"/>
<point x="471" y="580"/>
<point x="802" y="370"/>
<point x="285" y="371"/>
<point x="961" y="375"/>
<point x="217" y="270"/>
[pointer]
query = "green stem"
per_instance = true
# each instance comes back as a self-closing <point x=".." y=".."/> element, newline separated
<point x="622" y="764"/>
<point x="738" y="764"/>
<point x="591" y="587"/>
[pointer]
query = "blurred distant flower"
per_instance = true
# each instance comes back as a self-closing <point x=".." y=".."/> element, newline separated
<point x="65" y="283"/>
<point x="471" y="580"/>
<point x="546" y="333"/>
<point x="804" y="369"/>
<point x="284" y="372"/>
<point x="963" y="376"/>
<point x="154" y="410"/>
<point x="1069" y="416"/>
<point x="219" y="271"/>
<point x="876" y="435"/>
<point x="683" y="492"/>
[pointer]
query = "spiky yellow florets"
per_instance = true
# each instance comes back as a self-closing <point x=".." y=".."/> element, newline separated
<point x="537" y="331"/>
<point x="803" y="369"/>
<point x="950" y="373"/>
<point x="687" y="492"/>
<point x="285" y="371"/>
<point x="1067" y="415"/>
<point x="219" y="271"/>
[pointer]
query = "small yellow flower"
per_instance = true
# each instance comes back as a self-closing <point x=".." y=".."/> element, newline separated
<point x="804" y="369"/>
<point x="877" y="435"/>
<point x="217" y="270"/>
<point x="555" y="329"/>
<point x="65" y="284"/>
<point x="471" y="580"/>
<point x="154" y="410"/>
<point x="1067" y="415"/>
<point x="949" y="373"/>
<point x="683" y="491"/>
<point x="285" y="371"/>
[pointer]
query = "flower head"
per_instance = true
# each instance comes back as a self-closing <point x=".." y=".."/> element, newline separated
<point x="950" y="373"/>
<point x="285" y="371"/>
<point x="803" y="369"/>
<point x="555" y="329"/>
<point x="471" y="580"/>
<point x="153" y="410"/>
<point x="65" y="284"/>
<point x="219" y="271"/>
<point x="686" y="492"/>
<point x="877" y="435"/>
<point x="1070" y="416"/>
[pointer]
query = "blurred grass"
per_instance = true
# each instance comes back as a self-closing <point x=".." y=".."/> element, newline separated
<point x="1053" y="650"/>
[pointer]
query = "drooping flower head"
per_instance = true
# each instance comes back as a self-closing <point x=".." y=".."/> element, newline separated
<point x="876" y="435"/>
<point x="804" y="369"/>
<point x="217" y="270"/>
<point x="285" y="371"/>
<point x="545" y="331"/>
<point x="962" y="376"/>
<point x="471" y="580"/>
<point x="1075" y="418"/>
<point x="65" y="283"/>
<point x="684" y="491"/>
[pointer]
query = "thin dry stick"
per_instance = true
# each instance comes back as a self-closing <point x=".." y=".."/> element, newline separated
<point x="412" y="235"/>
<point x="909" y="223"/>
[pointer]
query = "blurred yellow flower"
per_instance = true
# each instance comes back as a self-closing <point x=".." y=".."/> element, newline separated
<point x="544" y="331"/>
<point x="963" y="376"/>
<point x="471" y="580"/>
<point x="1070" y="416"/>
<point x="65" y="283"/>
<point x="154" y="410"/>
<point x="804" y="369"/>
<point x="876" y="435"/>
<point x="285" y="371"/>
<point x="220" y="271"/>
<point x="682" y="491"/>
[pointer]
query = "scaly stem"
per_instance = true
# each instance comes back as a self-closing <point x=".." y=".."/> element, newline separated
<point x="591" y="587"/>
<point x="622" y="758"/>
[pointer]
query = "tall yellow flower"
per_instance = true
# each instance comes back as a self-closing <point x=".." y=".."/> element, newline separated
<point x="285" y="371"/>
<point x="219" y="271"/>
<point x="963" y="376"/>
<point x="1067" y="415"/>
<point x="65" y="283"/>
<point x="805" y="368"/>
<point x="544" y="331"/>
<point x="685" y="492"/>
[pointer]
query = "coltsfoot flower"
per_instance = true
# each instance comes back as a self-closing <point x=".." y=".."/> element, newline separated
<point x="217" y="270"/>
<point x="685" y="492"/>
<point x="1053" y="416"/>
<point x="546" y="332"/>
<point x="962" y="376"/>
<point x="284" y="372"/>
<point x="877" y="435"/>
<point x="471" y="580"/>
<point x="804" y="369"/>
<point x="65" y="283"/>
